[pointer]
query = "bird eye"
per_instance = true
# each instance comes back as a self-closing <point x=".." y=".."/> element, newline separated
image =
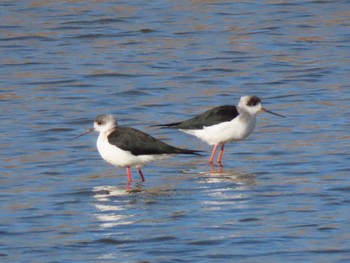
<point x="253" y="101"/>
<point x="99" y="122"/>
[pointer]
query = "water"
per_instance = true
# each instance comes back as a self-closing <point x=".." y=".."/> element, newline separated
<point x="282" y="195"/>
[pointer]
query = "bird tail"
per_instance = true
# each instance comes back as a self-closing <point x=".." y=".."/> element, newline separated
<point x="167" y="125"/>
<point x="186" y="151"/>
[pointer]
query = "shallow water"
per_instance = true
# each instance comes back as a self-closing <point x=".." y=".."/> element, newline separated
<point x="282" y="194"/>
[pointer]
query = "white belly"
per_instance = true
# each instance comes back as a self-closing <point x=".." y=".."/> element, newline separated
<point x="121" y="158"/>
<point x="234" y="130"/>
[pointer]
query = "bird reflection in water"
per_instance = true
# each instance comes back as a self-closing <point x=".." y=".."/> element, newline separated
<point x="218" y="173"/>
<point x="115" y="206"/>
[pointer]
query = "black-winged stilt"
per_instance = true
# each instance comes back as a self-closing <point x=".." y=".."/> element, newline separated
<point x="223" y="124"/>
<point x="128" y="147"/>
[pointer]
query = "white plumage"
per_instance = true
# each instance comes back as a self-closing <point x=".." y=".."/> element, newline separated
<point x="223" y="124"/>
<point x="128" y="147"/>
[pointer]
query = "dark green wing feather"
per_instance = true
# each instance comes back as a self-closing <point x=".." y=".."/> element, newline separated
<point x="211" y="117"/>
<point x="140" y="143"/>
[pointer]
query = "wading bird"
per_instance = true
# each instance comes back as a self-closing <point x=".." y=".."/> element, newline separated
<point x="223" y="124"/>
<point x="128" y="147"/>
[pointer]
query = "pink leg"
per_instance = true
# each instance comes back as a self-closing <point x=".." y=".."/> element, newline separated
<point x="128" y="186"/>
<point x="141" y="174"/>
<point x="128" y="172"/>
<point x="213" y="154"/>
<point x="221" y="153"/>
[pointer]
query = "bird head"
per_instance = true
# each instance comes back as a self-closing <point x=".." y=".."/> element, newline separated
<point x="252" y="104"/>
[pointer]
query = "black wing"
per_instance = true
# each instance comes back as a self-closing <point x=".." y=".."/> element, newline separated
<point x="140" y="143"/>
<point x="211" y="117"/>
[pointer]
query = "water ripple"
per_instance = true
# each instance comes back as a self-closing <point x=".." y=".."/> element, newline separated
<point x="281" y="195"/>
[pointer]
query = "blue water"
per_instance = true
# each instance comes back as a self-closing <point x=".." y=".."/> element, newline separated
<point x="282" y="195"/>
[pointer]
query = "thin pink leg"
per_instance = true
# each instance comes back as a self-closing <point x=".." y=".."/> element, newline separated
<point x="141" y="174"/>
<point x="213" y="154"/>
<point x="221" y="153"/>
<point x="128" y="172"/>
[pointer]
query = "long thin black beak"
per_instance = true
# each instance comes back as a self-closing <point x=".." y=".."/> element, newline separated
<point x="271" y="112"/>
<point x="85" y="132"/>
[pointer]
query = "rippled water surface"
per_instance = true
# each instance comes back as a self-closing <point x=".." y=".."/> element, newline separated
<point x="283" y="195"/>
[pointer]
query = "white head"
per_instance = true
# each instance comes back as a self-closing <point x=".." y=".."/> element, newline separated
<point x="104" y="122"/>
<point x="252" y="105"/>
